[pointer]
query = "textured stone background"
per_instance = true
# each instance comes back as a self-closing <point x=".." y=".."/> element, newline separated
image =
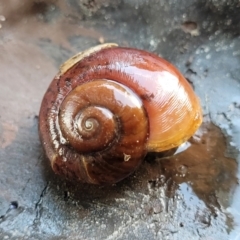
<point x="192" y="195"/>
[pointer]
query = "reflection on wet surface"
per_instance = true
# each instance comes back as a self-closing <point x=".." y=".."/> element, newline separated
<point x="202" y="170"/>
<point x="204" y="167"/>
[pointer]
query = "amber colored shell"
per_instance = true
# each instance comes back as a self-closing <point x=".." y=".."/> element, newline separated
<point x="167" y="110"/>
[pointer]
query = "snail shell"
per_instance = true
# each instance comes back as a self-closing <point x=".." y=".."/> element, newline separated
<point x="108" y="107"/>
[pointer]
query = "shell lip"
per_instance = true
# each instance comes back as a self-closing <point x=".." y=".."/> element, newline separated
<point x="81" y="55"/>
<point x="164" y="146"/>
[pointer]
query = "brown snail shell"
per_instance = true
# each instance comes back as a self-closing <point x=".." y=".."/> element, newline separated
<point x="108" y="107"/>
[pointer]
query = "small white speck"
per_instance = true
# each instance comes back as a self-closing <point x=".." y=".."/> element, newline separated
<point x="236" y="53"/>
<point x="208" y="56"/>
<point x="206" y="49"/>
<point x="126" y="157"/>
<point x="101" y="40"/>
<point x="2" y="18"/>
<point x="228" y="22"/>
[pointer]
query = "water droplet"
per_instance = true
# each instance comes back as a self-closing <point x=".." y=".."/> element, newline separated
<point x="63" y="140"/>
<point x="13" y="205"/>
<point x="182" y="169"/>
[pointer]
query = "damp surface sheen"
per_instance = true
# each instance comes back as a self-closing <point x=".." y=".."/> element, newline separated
<point x="199" y="184"/>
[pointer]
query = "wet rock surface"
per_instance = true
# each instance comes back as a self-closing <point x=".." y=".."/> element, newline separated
<point x="193" y="194"/>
